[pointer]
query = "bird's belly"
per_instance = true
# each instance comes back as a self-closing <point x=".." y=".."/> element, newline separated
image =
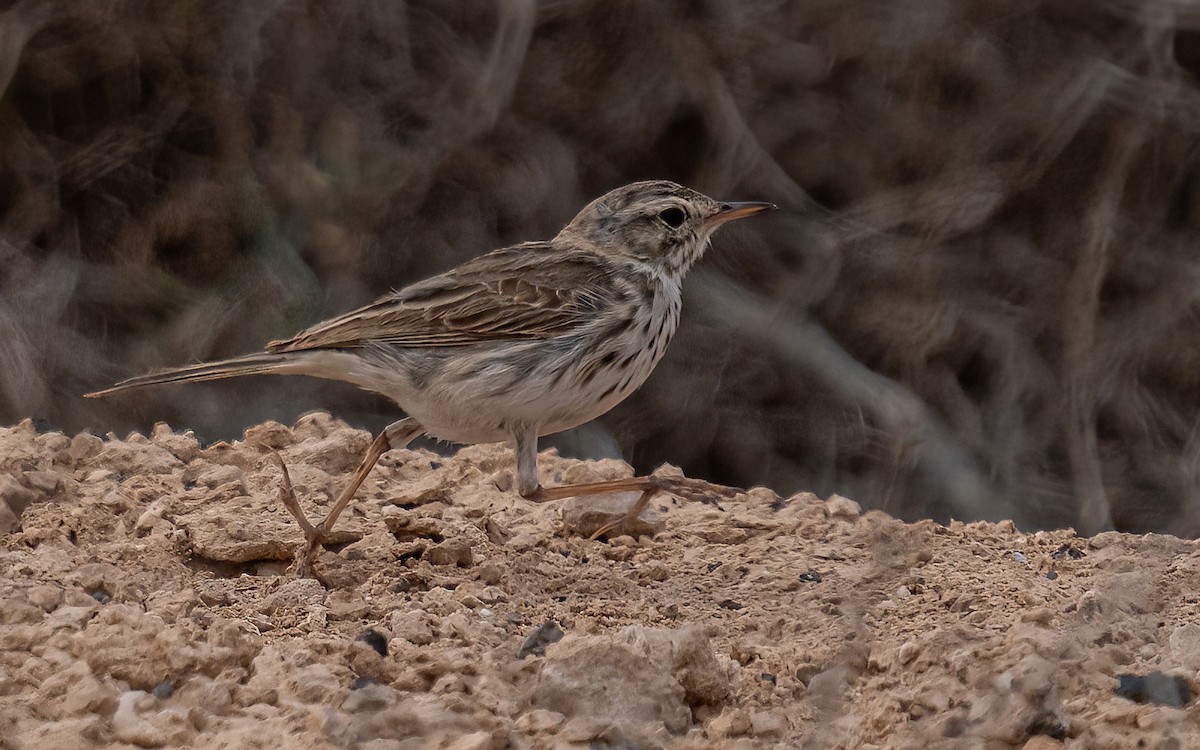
<point x="481" y="401"/>
<point x="482" y="393"/>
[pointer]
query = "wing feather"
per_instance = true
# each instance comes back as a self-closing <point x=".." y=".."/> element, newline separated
<point x="529" y="291"/>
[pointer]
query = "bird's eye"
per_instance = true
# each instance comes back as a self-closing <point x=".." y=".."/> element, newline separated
<point x="673" y="217"/>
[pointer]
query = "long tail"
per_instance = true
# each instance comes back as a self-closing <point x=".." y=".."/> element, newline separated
<point x="281" y="363"/>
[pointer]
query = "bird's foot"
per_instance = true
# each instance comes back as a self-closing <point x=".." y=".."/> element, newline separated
<point x="697" y="490"/>
<point x="313" y="535"/>
<point x="624" y="521"/>
<point x="694" y="490"/>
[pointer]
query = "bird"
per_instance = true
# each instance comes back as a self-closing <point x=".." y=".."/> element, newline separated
<point x="521" y="342"/>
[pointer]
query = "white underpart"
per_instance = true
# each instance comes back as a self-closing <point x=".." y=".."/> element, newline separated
<point x="472" y="400"/>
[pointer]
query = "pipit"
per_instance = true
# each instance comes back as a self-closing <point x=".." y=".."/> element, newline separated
<point x="524" y="341"/>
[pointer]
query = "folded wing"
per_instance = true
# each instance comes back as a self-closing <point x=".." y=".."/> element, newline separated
<point x="511" y="293"/>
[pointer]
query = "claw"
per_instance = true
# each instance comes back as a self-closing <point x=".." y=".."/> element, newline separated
<point x="698" y="490"/>
<point x="634" y="511"/>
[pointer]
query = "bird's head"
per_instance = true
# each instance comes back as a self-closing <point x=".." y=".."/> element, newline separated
<point x="657" y="223"/>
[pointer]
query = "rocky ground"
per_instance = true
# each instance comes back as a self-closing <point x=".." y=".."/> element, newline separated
<point x="145" y="601"/>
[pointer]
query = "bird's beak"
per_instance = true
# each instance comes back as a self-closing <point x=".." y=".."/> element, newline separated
<point x="729" y="211"/>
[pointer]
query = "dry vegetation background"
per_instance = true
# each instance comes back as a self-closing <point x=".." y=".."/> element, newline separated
<point x="979" y="300"/>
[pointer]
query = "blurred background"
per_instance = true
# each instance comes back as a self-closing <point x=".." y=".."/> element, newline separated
<point x="979" y="300"/>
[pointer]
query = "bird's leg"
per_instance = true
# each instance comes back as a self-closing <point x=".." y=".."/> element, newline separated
<point x="525" y="448"/>
<point x="288" y="497"/>
<point x="525" y="442"/>
<point x="394" y="436"/>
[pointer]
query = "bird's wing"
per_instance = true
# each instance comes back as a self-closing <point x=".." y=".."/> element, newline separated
<point x="528" y="291"/>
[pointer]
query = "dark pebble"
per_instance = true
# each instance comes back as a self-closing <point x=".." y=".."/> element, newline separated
<point x="1066" y="551"/>
<point x="547" y="633"/>
<point x="810" y="576"/>
<point x="1048" y="724"/>
<point x="1052" y="575"/>
<point x="163" y="690"/>
<point x="101" y="595"/>
<point x="730" y="604"/>
<point x="1155" y="687"/>
<point x="402" y="585"/>
<point x="375" y="640"/>
<point x="767" y="677"/>
<point x="713" y="566"/>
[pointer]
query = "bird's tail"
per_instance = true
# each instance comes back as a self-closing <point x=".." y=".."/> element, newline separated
<point x="266" y="363"/>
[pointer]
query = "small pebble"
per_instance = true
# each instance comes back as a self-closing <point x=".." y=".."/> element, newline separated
<point x="1067" y="551"/>
<point x="46" y="481"/>
<point x="450" y="552"/>
<point x="376" y="640"/>
<point x="84" y="445"/>
<point x="546" y="633"/>
<point x="767" y="724"/>
<point x="368" y="696"/>
<point x="842" y="507"/>
<point x="362" y="682"/>
<point x="732" y="723"/>
<point x="470" y="601"/>
<point x="491" y="573"/>
<point x="163" y="690"/>
<point x="1155" y="687"/>
<point x="539" y="720"/>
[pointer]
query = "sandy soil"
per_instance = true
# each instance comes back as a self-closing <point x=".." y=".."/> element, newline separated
<point x="145" y="602"/>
